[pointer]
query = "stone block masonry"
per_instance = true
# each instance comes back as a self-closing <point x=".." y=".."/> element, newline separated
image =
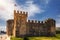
<point x="20" y="27"/>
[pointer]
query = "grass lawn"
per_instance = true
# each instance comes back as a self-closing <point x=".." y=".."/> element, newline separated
<point x="15" y="38"/>
<point x="39" y="38"/>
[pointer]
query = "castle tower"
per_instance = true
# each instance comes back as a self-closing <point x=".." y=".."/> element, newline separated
<point x="10" y="26"/>
<point x="52" y="27"/>
<point x="20" y="19"/>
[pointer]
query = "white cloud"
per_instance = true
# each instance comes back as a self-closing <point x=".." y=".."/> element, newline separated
<point x="2" y="28"/>
<point x="58" y="22"/>
<point x="31" y="8"/>
<point x="6" y="9"/>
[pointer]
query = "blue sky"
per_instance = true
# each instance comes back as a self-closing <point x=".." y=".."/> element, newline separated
<point x="37" y="10"/>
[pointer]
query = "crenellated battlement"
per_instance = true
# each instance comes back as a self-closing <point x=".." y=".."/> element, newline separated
<point x="49" y="20"/>
<point x="20" y="26"/>
<point x="33" y="21"/>
<point x="20" y="12"/>
<point x="42" y="22"/>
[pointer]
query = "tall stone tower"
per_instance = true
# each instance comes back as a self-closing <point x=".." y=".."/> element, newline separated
<point x="51" y="23"/>
<point x="10" y="26"/>
<point x="20" y="27"/>
<point x="20" y="19"/>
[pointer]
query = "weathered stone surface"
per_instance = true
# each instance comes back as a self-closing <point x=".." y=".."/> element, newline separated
<point x="19" y="26"/>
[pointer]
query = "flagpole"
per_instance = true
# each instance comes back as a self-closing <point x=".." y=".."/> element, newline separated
<point x="15" y="6"/>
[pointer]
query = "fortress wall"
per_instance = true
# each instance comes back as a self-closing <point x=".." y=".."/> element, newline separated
<point x="20" y="26"/>
<point x="10" y="25"/>
<point x="33" y="26"/>
<point x="33" y="21"/>
<point x="51" y="27"/>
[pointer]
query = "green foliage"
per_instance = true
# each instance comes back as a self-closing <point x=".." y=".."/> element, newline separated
<point x="38" y="38"/>
<point x="58" y="32"/>
<point x="15" y="38"/>
<point x="45" y="38"/>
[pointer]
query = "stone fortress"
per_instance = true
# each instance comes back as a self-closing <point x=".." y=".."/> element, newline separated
<point x="20" y="27"/>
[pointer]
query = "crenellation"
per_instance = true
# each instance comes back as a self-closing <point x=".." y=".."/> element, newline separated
<point x="18" y="12"/>
<point x="38" y="21"/>
<point x="26" y="13"/>
<point x="32" y="21"/>
<point x="35" y="21"/>
<point x="21" y="27"/>
<point x="42" y="22"/>
<point x="14" y="11"/>
<point x="28" y="21"/>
